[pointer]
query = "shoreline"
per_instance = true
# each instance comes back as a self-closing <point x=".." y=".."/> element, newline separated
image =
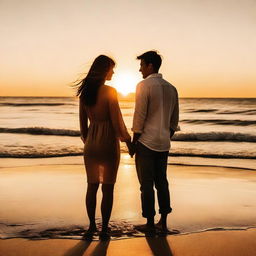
<point x="117" y="237"/>
<point x="235" y="243"/>
<point x="234" y="163"/>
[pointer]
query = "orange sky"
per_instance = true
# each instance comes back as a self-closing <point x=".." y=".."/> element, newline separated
<point x="208" y="47"/>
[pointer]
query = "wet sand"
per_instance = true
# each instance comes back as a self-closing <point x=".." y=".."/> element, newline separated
<point x="50" y="194"/>
<point x="235" y="243"/>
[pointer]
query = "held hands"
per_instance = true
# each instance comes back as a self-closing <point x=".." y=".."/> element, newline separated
<point x="132" y="145"/>
<point x="82" y="138"/>
<point x="131" y="148"/>
<point x="171" y="133"/>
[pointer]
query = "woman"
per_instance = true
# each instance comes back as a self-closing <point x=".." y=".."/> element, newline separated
<point x="99" y="104"/>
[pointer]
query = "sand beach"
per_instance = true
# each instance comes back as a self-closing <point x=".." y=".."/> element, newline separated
<point x="43" y="213"/>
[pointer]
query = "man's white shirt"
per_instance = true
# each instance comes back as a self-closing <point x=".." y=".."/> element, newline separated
<point x="156" y="112"/>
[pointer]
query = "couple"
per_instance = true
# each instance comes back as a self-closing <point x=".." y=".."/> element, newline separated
<point x="155" y="121"/>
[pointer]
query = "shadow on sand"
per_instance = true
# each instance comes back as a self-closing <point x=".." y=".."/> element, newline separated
<point x="101" y="249"/>
<point x="79" y="249"/>
<point x="159" y="246"/>
<point x="82" y="246"/>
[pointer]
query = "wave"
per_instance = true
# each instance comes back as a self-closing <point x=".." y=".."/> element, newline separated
<point x="213" y="165"/>
<point x="202" y="110"/>
<point x="41" y="231"/>
<point x="37" y="153"/>
<point x="32" y="104"/>
<point x="179" y="136"/>
<point x="41" y="131"/>
<point x="219" y="156"/>
<point x="215" y="136"/>
<point x="220" y="122"/>
<point x="207" y="136"/>
<point x="216" y="111"/>
<point x="246" y="112"/>
<point x="119" y="230"/>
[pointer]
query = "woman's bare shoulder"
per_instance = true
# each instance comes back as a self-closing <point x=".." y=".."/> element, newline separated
<point x="109" y="88"/>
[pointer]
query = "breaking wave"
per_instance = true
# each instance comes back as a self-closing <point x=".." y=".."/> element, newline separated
<point x="200" y="136"/>
<point x="32" y="104"/>
<point x="118" y="230"/>
<point x="34" y="152"/>
<point x="41" y="131"/>
<point x="215" y="136"/>
<point x="220" y="122"/>
<point x="217" y="111"/>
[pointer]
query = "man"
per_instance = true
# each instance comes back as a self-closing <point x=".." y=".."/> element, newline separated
<point x="154" y="123"/>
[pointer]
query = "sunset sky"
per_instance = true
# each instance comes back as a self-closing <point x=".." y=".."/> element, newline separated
<point x="208" y="47"/>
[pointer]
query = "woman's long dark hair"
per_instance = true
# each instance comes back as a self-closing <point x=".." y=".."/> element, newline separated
<point x="89" y="86"/>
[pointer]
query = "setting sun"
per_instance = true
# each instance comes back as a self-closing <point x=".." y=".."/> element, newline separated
<point x="125" y="81"/>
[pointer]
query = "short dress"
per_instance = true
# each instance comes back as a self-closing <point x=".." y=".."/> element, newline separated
<point x="102" y="136"/>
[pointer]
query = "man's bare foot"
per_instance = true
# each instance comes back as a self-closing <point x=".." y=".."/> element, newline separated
<point x="162" y="228"/>
<point x="146" y="228"/>
<point x="159" y="224"/>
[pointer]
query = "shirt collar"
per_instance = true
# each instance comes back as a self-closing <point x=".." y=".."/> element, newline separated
<point x="155" y="75"/>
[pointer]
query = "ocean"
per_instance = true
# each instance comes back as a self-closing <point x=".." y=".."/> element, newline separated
<point x="213" y="131"/>
<point x="42" y="185"/>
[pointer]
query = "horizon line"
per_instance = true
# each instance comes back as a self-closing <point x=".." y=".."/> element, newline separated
<point x="127" y="96"/>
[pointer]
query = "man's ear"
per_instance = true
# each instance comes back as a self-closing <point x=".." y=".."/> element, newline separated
<point x="150" y="66"/>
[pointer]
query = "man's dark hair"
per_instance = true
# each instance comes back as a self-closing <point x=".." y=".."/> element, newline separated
<point x="151" y="57"/>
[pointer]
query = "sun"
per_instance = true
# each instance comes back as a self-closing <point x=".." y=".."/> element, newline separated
<point x="125" y="81"/>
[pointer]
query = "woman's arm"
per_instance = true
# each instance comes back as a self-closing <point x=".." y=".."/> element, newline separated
<point x="117" y="119"/>
<point x="83" y="121"/>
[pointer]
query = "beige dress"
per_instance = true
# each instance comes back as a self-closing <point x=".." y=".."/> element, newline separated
<point x="101" y="148"/>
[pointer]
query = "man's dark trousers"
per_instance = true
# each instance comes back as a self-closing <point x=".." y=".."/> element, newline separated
<point x="151" y="170"/>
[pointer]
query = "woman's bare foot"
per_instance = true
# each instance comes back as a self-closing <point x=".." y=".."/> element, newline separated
<point x="88" y="235"/>
<point x="92" y="228"/>
<point x="105" y="234"/>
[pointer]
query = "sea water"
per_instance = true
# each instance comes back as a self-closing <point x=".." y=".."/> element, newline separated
<point x="212" y="131"/>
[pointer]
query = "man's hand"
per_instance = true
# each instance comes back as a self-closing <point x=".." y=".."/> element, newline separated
<point x="171" y="133"/>
<point x="131" y="148"/>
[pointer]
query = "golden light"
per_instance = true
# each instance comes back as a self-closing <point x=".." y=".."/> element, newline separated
<point x="125" y="81"/>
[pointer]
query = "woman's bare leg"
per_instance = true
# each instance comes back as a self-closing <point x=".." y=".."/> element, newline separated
<point x="91" y="204"/>
<point x="106" y="204"/>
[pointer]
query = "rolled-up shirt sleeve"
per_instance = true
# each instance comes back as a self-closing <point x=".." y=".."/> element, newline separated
<point x="175" y="114"/>
<point x="141" y="106"/>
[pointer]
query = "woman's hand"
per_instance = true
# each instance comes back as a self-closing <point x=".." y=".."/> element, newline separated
<point x="131" y="148"/>
<point x="171" y="133"/>
<point x="83" y="140"/>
